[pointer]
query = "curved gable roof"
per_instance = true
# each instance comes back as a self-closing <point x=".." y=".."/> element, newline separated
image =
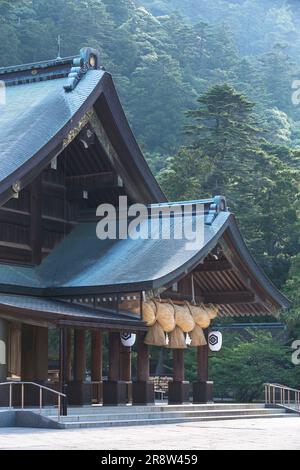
<point x="39" y="113"/>
<point x="38" y="116"/>
<point x="84" y="264"/>
<point x="34" y="114"/>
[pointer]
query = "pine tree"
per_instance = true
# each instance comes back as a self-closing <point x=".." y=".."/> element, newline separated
<point x="225" y="130"/>
<point x="228" y="156"/>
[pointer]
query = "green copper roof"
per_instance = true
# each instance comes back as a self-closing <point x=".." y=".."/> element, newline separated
<point x="34" y="113"/>
<point x="57" y="311"/>
<point x="46" y="101"/>
<point x="83" y="264"/>
<point x="82" y="261"/>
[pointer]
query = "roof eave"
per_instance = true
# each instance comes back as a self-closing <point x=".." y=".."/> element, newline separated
<point x="280" y="299"/>
<point x="26" y="173"/>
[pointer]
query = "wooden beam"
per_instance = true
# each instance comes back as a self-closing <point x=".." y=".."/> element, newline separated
<point x="234" y="297"/>
<point x="180" y="297"/>
<point x="51" y="224"/>
<point x="100" y="193"/>
<point x="51" y="188"/>
<point x="53" y="176"/>
<point x="228" y="297"/>
<point x="214" y="266"/>
<point x="101" y="324"/>
<point x="26" y="320"/>
<point x="14" y="217"/>
<point x="15" y="254"/>
<point x="92" y="181"/>
<point x="15" y="246"/>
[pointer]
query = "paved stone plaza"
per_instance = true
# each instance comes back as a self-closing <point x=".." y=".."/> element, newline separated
<point x="277" y="433"/>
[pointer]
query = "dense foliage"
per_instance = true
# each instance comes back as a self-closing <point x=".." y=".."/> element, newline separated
<point x="243" y="366"/>
<point x="207" y="87"/>
<point x="229" y="155"/>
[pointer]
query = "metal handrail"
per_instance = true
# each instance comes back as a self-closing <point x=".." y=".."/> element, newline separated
<point x="287" y="396"/>
<point x="41" y="388"/>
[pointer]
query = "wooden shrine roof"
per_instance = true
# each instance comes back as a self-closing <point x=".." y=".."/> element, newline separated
<point x="46" y="105"/>
<point x="83" y="264"/>
<point x="47" y="312"/>
<point x="41" y="110"/>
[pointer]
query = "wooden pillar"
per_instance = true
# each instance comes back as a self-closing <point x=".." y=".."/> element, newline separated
<point x="42" y="354"/>
<point x="34" y="354"/>
<point x="125" y="370"/>
<point x="97" y="356"/>
<point x="97" y="366"/>
<point x="34" y="362"/>
<point x="202" y="363"/>
<point x="203" y="388"/>
<point x="143" y="363"/>
<point x="114" y="357"/>
<point x="79" y="391"/>
<point x="114" y="390"/>
<point x="178" y="365"/>
<point x="63" y="367"/>
<point x="142" y="389"/>
<point x="79" y="355"/>
<point x="178" y="389"/>
<point x="125" y="363"/>
<point x="69" y="353"/>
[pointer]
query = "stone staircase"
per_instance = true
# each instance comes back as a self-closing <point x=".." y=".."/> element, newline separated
<point x="98" y="416"/>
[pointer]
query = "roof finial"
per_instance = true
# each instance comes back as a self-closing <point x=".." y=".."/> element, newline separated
<point x="58" y="47"/>
<point x="89" y="59"/>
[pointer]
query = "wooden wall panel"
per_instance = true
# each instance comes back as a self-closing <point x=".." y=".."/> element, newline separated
<point x="22" y="236"/>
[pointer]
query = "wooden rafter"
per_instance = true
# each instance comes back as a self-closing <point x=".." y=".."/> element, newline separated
<point x="214" y="266"/>
<point x="242" y="273"/>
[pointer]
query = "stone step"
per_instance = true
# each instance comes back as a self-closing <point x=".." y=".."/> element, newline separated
<point x="140" y="422"/>
<point x="112" y="410"/>
<point x="103" y="416"/>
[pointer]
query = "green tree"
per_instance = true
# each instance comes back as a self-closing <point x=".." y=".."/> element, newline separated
<point x="242" y="367"/>
<point x="292" y="290"/>
<point x="184" y="174"/>
<point x="224" y="128"/>
<point x="229" y="156"/>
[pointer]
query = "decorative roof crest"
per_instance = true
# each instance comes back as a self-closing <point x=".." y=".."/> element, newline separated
<point x="89" y="59"/>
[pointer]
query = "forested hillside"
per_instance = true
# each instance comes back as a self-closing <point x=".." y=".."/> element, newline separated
<point x="207" y="87"/>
